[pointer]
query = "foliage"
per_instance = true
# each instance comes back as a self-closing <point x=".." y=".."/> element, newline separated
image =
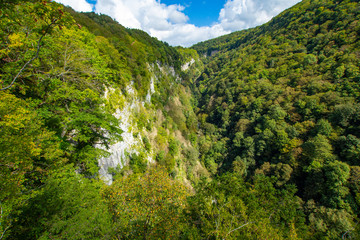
<point x="68" y="207"/>
<point x="146" y="206"/>
<point x="22" y="39"/>
<point x="276" y="126"/>
<point x="27" y="153"/>
<point x="229" y="208"/>
<point x="136" y="50"/>
<point x="282" y="100"/>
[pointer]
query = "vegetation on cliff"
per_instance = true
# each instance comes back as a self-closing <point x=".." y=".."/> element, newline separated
<point x="253" y="135"/>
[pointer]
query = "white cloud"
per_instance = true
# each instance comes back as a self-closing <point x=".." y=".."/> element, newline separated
<point x="77" y="5"/>
<point x="188" y="34"/>
<point x="143" y="14"/>
<point x="169" y="23"/>
<point x="242" y="14"/>
<point x="166" y="22"/>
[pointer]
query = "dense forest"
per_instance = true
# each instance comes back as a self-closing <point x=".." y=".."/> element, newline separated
<point x="108" y="133"/>
<point x="282" y="100"/>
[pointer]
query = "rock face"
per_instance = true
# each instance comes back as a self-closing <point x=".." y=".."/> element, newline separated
<point x="187" y="65"/>
<point x="150" y="124"/>
<point x="118" y="151"/>
<point x="150" y="91"/>
<point x="128" y="145"/>
<point x="131" y="136"/>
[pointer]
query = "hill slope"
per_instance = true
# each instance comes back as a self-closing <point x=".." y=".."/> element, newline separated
<point x="108" y="133"/>
<point x="282" y="100"/>
<point x="81" y="93"/>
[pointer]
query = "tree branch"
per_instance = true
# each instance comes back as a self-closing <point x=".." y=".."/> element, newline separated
<point x="347" y="232"/>
<point x="2" y="235"/>
<point x="33" y="58"/>
<point x="1" y="217"/>
<point x="237" y="229"/>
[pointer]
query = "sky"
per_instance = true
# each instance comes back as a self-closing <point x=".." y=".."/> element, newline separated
<point x="185" y="22"/>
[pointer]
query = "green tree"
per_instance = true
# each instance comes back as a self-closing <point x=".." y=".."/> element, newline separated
<point x="336" y="174"/>
<point x="22" y="38"/>
<point x="27" y="153"/>
<point x="318" y="150"/>
<point x="349" y="148"/>
<point x="146" y="206"/>
<point x="328" y="223"/>
<point x="281" y="171"/>
<point x="69" y="206"/>
<point x="229" y="208"/>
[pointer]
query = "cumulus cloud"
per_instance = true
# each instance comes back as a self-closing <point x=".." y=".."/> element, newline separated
<point x="77" y="5"/>
<point x="188" y="34"/>
<point x="143" y="14"/>
<point x="166" y="22"/>
<point x="169" y="23"/>
<point x="242" y="14"/>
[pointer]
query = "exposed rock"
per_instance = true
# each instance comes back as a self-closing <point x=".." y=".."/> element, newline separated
<point x="187" y="65"/>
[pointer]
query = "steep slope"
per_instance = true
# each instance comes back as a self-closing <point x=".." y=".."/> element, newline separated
<point x="99" y="137"/>
<point x="89" y="96"/>
<point x="154" y="103"/>
<point x="282" y="100"/>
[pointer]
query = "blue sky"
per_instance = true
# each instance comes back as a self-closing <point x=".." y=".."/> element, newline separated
<point x="185" y="22"/>
<point x="200" y="12"/>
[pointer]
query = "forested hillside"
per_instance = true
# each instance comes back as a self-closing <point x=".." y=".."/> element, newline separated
<point x="108" y="133"/>
<point x="282" y="100"/>
<point x="84" y="102"/>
